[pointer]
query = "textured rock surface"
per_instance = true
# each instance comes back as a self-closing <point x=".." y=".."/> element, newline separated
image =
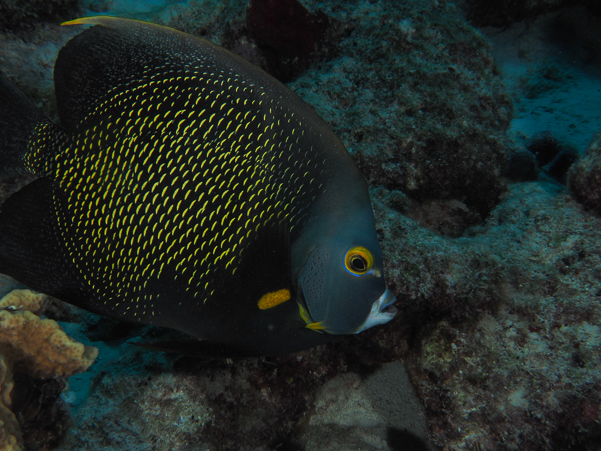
<point x="250" y="404"/>
<point x="503" y="324"/>
<point x="25" y="14"/>
<point x="584" y="177"/>
<point x="10" y="432"/>
<point x="373" y="412"/>
<point x="503" y="12"/>
<point x="29" y="61"/>
<point x="219" y="21"/>
<point x="500" y="13"/>
<point x="289" y="34"/>
<point x="415" y="96"/>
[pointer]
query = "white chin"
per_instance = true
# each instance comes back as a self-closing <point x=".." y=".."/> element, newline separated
<point x="382" y="311"/>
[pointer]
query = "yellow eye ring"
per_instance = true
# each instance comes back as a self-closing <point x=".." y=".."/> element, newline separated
<point x="358" y="261"/>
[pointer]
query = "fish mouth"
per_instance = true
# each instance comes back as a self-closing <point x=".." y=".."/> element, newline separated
<point x="381" y="312"/>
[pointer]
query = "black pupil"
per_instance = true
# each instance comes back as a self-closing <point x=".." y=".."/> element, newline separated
<point x="358" y="263"/>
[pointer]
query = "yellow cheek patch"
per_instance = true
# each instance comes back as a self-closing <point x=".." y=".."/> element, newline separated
<point x="304" y="314"/>
<point x="275" y="298"/>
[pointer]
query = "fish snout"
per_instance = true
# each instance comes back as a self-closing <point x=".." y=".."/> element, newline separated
<point x="382" y="311"/>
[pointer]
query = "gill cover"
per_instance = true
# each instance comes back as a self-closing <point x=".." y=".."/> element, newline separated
<point x="313" y="282"/>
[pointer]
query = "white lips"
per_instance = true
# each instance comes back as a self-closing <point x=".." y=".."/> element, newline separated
<point x="377" y="314"/>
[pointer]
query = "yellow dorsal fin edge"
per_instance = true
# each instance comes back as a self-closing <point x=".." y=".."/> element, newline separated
<point x="91" y="20"/>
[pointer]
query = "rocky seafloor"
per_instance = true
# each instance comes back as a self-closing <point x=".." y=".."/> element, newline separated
<point x="491" y="237"/>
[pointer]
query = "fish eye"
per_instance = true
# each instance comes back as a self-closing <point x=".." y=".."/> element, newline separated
<point x="358" y="261"/>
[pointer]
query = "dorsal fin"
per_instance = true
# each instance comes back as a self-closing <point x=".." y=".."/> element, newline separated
<point x="105" y="58"/>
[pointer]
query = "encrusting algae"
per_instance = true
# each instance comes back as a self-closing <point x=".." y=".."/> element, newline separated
<point x="35" y="346"/>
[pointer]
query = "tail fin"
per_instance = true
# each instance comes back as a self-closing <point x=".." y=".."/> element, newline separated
<point x="18" y="118"/>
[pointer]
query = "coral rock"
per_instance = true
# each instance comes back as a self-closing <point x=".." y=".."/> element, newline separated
<point x="584" y="177"/>
<point x="10" y="434"/>
<point x="21" y="15"/>
<point x="360" y="413"/>
<point x="288" y="32"/>
<point x="503" y="12"/>
<point x="429" y="123"/>
<point x="559" y="167"/>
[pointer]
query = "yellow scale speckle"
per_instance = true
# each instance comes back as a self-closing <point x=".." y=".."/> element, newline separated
<point x="160" y="140"/>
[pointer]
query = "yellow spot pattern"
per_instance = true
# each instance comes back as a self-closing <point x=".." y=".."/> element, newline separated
<point x="171" y="177"/>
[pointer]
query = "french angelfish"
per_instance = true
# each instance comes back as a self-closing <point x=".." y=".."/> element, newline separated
<point x="186" y="188"/>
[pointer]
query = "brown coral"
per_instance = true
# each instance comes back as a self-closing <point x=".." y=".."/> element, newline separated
<point x="35" y="346"/>
<point x="10" y="435"/>
<point x="23" y="299"/>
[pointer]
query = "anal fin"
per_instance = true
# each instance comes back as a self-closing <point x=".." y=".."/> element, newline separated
<point x="193" y="347"/>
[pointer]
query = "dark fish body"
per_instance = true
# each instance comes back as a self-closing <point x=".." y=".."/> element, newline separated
<point x="186" y="188"/>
